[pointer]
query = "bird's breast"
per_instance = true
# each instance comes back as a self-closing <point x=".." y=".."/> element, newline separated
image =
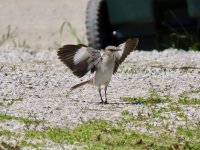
<point x="104" y="71"/>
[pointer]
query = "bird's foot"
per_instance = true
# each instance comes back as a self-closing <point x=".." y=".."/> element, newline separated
<point x="105" y="102"/>
<point x="102" y="102"/>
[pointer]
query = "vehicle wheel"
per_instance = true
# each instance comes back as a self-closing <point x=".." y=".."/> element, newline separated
<point x="97" y="24"/>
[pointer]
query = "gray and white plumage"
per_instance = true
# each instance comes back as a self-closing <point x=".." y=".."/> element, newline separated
<point x="82" y="59"/>
<point x="79" y="58"/>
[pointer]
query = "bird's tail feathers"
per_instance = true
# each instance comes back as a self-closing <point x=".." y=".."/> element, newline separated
<point x="81" y="84"/>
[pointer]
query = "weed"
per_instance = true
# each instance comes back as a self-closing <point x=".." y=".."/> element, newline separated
<point x="157" y="113"/>
<point x="101" y="134"/>
<point x="174" y="107"/>
<point x="182" y="115"/>
<point x="98" y="134"/>
<point x="184" y="99"/>
<point x="1" y="66"/>
<point x="29" y="144"/>
<point x="153" y="98"/>
<point x="72" y="31"/>
<point x="189" y="101"/>
<point x="34" y="133"/>
<point x="125" y="113"/>
<point x="22" y="143"/>
<point x="183" y="40"/>
<point x="13" y="67"/>
<point x="128" y="70"/>
<point x="19" y="43"/>
<point x="148" y="125"/>
<point x="11" y="101"/>
<point x="7" y="133"/>
<point x="138" y="100"/>
<point x="9" y="146"/>
<point x="10" y="34"/>
<point x="195" y="90"/>
<point x="5" y="117"/>
<point x="141" y="116"/>
<point x="189" y="133"/>
<point x="163" y="109"/>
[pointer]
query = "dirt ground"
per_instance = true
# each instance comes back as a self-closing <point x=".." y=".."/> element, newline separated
<point x="38" y="22"/>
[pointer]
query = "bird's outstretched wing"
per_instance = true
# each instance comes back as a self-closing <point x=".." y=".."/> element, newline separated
<point x="79" y="58"/>
<point x="126" y="47"/>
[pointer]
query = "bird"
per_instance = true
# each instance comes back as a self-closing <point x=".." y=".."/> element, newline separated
<point x="81" y="59"/>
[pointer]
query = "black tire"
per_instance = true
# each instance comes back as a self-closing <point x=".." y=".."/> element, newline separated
<point x="97" y="24"/>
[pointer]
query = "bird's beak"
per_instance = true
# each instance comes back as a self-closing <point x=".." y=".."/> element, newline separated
<point x="114" y="50"/>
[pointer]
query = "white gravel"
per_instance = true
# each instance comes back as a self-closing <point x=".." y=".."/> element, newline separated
<point x="43" y="82"/>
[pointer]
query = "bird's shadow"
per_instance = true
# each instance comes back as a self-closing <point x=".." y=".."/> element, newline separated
<point x="125" y="103"/>
<point x="118" y="103"/>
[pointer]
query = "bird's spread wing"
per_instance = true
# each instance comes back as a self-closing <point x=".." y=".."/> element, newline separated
<point x="79" y="58"/>
<point x="127" y="48"/>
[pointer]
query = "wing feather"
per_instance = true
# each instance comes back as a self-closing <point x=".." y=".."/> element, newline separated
<point x="127" y="48"/>
<point x="79" y="58"/>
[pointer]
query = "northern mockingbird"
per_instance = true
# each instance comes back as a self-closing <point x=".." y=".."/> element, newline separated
<point x="82" y="59"/>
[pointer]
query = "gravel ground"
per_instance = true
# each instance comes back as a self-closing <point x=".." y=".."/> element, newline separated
<point x="42" y="83"/>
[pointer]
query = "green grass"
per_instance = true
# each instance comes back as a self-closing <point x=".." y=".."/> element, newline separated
<point x="7" y="133"/>
<point x="185" y="41"/>
<point x="22" y="143"/>
<point x="182" y="39"/>
<point x="184" y="99"/>
<point x="125" y="113"/>
<point x="5" y="117"/>
<point x="101" y="134"/>
<point x="153" y="98"/>
<point x="11" y="101"/>
<point x="189" y="101"/>
<point x="174" y="107"/>
<point x="19" y="144"/>
<point x="29" y="144"/>
<point x="193" y="133"/>
<point x="8" y="146"/>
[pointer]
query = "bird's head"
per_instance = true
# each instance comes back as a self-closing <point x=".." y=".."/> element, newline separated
<point x="112" y="49"/>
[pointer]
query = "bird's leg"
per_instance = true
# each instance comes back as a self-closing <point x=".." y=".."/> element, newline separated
<point x="106" y="94"/>
<point x="100" y="94"/>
